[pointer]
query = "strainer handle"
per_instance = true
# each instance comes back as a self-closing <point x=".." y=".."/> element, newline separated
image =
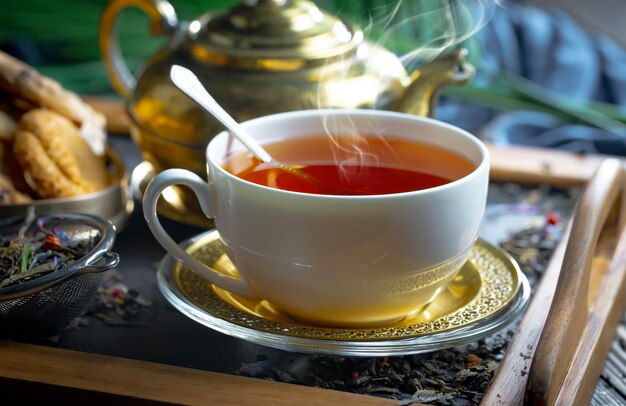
<point x="107" y="261"/>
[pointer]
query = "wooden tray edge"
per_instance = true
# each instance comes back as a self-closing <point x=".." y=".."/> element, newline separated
<point x="158" y="382"/>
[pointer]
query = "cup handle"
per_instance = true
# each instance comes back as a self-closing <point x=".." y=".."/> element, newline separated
<point x="172" y="177"/>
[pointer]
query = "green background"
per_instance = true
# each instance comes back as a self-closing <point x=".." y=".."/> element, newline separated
<point x="60" y="37"/>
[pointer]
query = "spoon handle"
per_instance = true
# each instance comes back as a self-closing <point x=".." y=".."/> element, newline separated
<point x="186" y="81"/>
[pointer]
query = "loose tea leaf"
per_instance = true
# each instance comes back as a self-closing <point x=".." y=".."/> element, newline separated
<point x="29" y="255"/>
<point x="115" y="304"/>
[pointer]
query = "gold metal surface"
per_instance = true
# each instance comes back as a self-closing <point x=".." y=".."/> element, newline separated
<point x="486" y="284"/>
<point x="279" y="36"/>
<point x="259" y="58"/>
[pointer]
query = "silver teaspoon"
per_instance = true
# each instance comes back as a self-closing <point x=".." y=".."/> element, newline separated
<point x="188" y="82"/>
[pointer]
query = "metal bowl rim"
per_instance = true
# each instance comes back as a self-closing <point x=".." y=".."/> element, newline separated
<point x="120" y="180"/>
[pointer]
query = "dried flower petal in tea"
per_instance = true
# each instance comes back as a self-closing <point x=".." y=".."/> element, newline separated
<point x="27" y="256"/>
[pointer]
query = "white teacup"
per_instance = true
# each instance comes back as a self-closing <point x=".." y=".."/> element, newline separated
<point x="336" y="260"/>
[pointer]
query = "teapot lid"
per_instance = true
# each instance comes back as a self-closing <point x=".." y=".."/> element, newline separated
<point x="283" y="35"/>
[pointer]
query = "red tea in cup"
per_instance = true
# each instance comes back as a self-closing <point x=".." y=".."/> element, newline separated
<point x="370" y="165"/>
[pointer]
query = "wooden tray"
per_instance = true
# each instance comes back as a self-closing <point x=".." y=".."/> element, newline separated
<point x="562" y="366"/>
<point x="561" y="344"/>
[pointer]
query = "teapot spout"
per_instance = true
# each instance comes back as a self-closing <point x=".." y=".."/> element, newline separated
<point x="422" y="93"/>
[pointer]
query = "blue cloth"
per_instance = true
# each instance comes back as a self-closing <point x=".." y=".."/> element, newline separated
<point x="549" y="48"/>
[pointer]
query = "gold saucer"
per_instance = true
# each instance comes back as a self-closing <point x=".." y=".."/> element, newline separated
<point x="485" y="295"/>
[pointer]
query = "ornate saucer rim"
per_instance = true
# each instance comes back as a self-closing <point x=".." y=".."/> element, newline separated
<point x="396" y="346"/>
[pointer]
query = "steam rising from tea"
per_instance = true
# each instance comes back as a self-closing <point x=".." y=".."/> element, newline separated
<point x="361" y="161"/>
<point x="390" y="166"/>
<point x="434" y="27"/>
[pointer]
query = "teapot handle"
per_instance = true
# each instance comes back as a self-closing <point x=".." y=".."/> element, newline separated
<point x="163" y="20"/>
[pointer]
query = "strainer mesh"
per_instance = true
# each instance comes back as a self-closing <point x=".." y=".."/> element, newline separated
<point x="43" y="306"/>
<point x="48" y="311"/>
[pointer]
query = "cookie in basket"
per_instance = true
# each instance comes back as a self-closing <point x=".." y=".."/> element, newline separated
<point x="28" y="85"/>
<point x="56" y="160"/>
<point x="8" y="126"/>
<point x="9" y="194"/>
<point x="13" y="186"/>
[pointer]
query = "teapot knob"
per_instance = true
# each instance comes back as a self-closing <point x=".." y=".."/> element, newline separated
<point x="163" y="21"/>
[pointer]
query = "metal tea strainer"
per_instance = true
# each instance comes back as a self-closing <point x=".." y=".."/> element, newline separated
<point x="43" y="306"/>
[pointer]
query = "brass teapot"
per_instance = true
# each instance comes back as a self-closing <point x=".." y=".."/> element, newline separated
<point x="258" y="58"/>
